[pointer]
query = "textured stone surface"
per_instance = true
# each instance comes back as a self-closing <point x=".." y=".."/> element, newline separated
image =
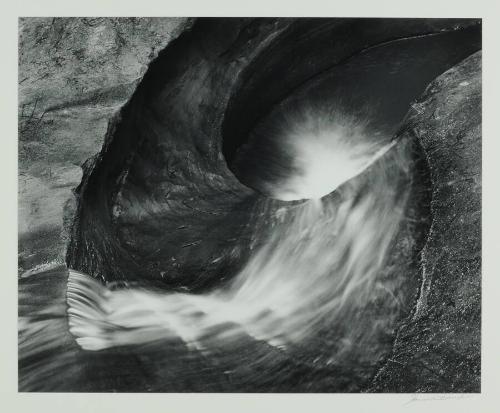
<point x="178" y="175"/>
<point x="438" y="350"/>
<point x="74" y="75"/>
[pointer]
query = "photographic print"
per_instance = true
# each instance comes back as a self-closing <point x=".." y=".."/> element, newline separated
<point x="249" y="205"/>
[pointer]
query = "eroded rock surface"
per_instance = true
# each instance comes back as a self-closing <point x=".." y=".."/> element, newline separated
<point x="74" y="75"/>
<point x="164" y="179"/>
<point x="438" y="350"/>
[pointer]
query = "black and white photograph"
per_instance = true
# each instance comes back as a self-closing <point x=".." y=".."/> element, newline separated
<point x="249" y="205"/>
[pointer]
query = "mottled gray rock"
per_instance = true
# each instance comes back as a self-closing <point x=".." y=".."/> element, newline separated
<point x="438" y="350"/>
<point x="74" y="75"/>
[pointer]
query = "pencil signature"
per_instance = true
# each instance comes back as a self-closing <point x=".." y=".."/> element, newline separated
<point x="434" y="397"/>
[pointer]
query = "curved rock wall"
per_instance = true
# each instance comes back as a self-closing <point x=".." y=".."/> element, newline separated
<point x="439" y="349"/>
<point x="74" y="75"/>
<point x="158" y="201"/>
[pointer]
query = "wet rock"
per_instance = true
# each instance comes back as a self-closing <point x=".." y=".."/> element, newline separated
<point x="74" y="75"/>
<point x="167" y="160"/>
<point x="438" y="349"/>
<point x="159" y="171"/>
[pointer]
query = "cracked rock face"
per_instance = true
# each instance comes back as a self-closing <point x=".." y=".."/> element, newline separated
<point x="168" y="198"/>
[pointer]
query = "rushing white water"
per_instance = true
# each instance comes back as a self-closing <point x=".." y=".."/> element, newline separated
<point x="326" y="150"/>
<point x="319" y="266"/>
